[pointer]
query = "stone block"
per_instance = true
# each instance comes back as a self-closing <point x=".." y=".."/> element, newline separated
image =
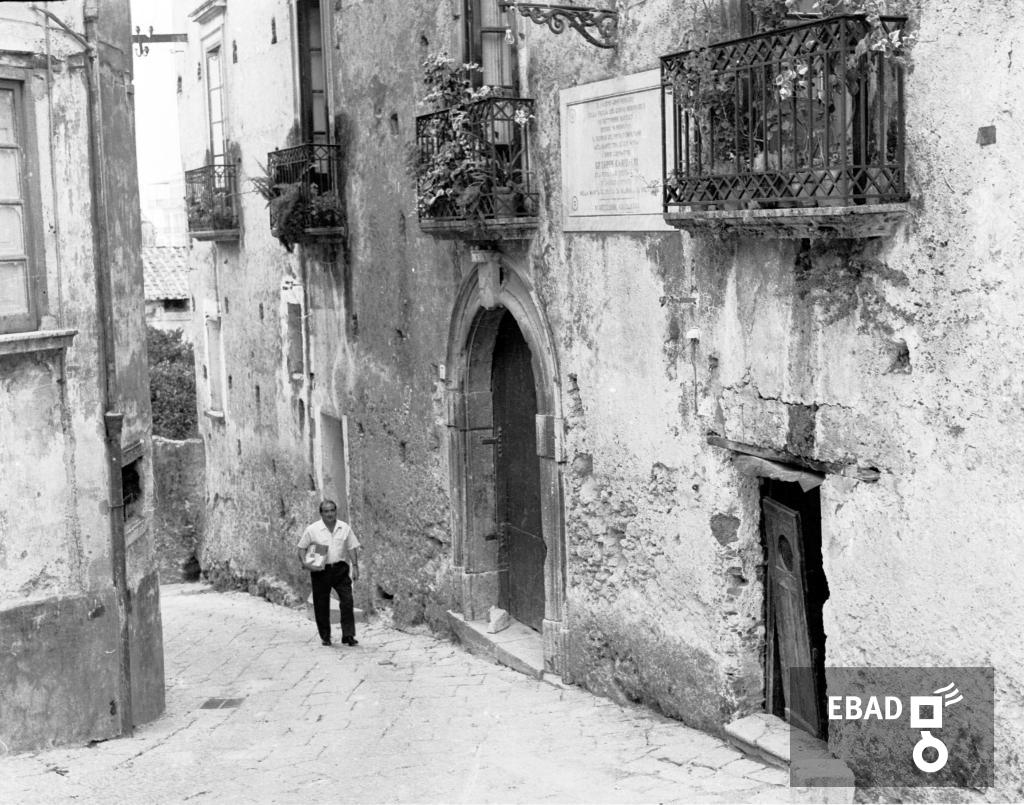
<point x="498" y="620"/>
<point x="764" y="736"/>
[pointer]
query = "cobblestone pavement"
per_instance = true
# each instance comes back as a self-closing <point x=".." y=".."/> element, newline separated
<point x="400" y="718"/>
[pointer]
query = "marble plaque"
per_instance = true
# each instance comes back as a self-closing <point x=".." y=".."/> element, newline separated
<point x="611" y="155"/>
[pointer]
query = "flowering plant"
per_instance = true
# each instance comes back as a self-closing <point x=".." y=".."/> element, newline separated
<point x="459" y="168"/>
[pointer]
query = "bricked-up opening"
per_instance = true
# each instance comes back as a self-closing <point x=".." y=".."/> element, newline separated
<point x="296" y="364"/>
<point x="215" y="359"/>
<point x="795" y="592"/>
<point x="334" y="454"/>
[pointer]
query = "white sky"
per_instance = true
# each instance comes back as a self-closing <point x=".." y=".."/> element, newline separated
<point x="156" y="106"/>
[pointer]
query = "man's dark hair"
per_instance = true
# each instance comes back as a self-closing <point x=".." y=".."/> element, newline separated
<point x="328" y="504"/>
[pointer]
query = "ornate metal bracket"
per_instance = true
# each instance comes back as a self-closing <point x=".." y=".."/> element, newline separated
<point x="142" y="39"/>
<point x="598" y="26"/>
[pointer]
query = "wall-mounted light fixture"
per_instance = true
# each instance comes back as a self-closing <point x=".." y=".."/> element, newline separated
<point x="598" y="26"/>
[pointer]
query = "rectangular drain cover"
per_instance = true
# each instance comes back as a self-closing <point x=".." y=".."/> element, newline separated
<point x="220" y="704"/>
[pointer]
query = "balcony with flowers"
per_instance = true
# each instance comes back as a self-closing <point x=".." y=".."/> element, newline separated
<point x="211" y="202"/>
<point x="471" y="160"/>
<point x="303" y="192"/>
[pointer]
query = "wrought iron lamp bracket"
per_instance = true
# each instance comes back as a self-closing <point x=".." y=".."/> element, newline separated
<point x="598" y="26"/>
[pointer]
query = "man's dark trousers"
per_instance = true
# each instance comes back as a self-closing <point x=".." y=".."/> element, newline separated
<point x="334" y="577"/>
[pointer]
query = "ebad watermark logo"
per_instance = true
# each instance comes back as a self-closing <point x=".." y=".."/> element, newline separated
<point x="909" y="726"/>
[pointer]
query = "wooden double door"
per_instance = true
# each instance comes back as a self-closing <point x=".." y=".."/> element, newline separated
<point x="522" y="549"/>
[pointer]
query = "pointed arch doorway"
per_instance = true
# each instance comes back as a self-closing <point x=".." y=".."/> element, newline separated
<point x="505" y="445"/>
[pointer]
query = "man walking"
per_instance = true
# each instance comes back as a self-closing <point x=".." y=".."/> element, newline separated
<point x="339" y="568"/>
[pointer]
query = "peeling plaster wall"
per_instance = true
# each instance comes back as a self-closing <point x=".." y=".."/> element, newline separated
<point x="894" y="354"/>
<point x="57" y="604"/>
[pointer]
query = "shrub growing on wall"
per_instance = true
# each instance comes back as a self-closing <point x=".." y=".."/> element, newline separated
<point x="172" y="384"/>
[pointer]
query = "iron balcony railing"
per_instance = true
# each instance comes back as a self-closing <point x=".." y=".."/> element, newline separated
<point x="473" y="163"/>
<point x="798" y="116"/>
<point x="306" y="192"/>
<point x="211" y="198"/>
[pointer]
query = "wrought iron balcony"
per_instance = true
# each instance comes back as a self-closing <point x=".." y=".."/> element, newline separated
<point x="304" y="193"/>
<point x="211" y="202"/>
<point x="794" y="132"/>
<point x="473" y="173"/>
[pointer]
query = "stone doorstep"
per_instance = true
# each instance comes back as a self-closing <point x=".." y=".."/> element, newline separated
<point x="335" y="612"/>
<point x="816" y="776"/>
<point x="517" y="647"/>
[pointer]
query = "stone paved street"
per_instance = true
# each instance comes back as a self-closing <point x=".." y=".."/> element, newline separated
<point x="400" y="718"/>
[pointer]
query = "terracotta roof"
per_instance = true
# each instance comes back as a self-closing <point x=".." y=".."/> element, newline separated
<point x="165" y="271"/>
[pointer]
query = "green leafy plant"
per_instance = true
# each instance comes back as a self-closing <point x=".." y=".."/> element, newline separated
<point x="298" y="206"/>
<point x="458" y="170"/>
<point x="172" y="384"/>
<point x="771" y="14"/>
<point x="212" y="208"/>
<point x="895" y="44"/>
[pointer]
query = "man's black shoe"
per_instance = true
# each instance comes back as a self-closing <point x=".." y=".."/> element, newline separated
<point x="350" y="641"/>
<point x="325" y="642"/>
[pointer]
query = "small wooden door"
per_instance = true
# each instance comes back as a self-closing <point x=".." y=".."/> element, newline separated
<point x="787" y="622"/>
<point x="517" y="476"/>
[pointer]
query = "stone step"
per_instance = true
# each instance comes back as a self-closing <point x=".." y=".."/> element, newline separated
<point x="815" y="774"/>
<point x="519" y="647"/>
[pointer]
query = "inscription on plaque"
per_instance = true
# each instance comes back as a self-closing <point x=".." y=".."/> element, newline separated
<point x="611" y="154"/>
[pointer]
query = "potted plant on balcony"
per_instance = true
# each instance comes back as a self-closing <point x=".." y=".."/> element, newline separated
<point x="298" y="208"/>
<point x="210" y="210"/>
<point x="459" y="171"/>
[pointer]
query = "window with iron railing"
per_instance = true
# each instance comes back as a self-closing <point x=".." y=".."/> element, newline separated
<point x="802" y="116"/>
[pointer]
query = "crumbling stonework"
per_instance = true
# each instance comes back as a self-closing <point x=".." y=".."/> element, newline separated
<point x="882" y="365"/>
<point x="76" y="543"/>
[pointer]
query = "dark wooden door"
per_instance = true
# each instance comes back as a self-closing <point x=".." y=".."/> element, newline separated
<point x="517" y="476"/>
<point x="788" y="631"/>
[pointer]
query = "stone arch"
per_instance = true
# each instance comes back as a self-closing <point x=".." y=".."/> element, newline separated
<point x="491" y="288"/>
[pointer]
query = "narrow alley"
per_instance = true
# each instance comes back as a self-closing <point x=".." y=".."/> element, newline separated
<point x="402" y="717"/>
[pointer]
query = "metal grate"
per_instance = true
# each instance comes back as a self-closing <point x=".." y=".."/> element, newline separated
<point x="474" y="162"/>
<point x="210" y="198"/>
<point x="792" y="117"/>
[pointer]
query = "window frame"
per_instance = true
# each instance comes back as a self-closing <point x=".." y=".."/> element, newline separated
<point x="218" y="151"/>
<point x="32" y="231"/>
<point x="473" y="41"/>
<point x="305" y="11"/>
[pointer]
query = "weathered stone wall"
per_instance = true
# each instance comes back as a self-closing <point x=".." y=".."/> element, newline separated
<point x="889" y="354"/>
<point x="179" y="506"/>
<point x="57" y="604"/>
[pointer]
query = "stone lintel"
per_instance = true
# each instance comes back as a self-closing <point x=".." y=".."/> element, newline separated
<point x="850" y="470"/>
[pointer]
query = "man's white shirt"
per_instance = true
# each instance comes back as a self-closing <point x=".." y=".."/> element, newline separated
<point x="339" y="543"/>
